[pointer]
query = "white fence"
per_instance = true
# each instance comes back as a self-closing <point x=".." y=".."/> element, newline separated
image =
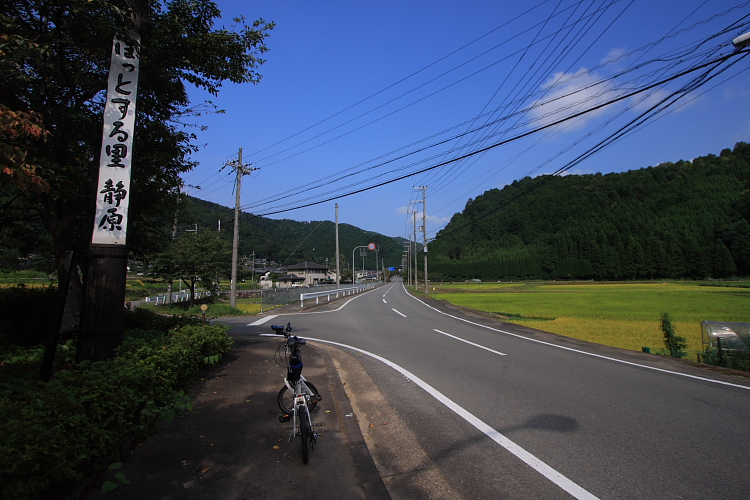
<point x="336" y="293"/>
<point x="181" y="296"/>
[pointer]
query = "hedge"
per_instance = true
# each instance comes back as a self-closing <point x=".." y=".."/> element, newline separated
<point x="54" y="435"/>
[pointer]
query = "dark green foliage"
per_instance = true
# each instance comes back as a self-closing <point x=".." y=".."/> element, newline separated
<point x="54" y="65"/>
<point x="214" y="310"/>
<point x="736" y="360"/>
<point x="55" y="434"/>
<point x="25" y="314"/>
<point x="144" y="319"/>
<point x="199" y="256"/>
<point x="676" y="220"/>
<point x="673" y="343"/>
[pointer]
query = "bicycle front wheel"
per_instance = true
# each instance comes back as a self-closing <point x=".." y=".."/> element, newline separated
<point x="304" y="433"/>
<point x="285" y="399"/>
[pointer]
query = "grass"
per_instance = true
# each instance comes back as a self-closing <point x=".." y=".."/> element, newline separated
<point x="622" y="315"/>
<point x="244" y="307"/>
<point x="33" y="279"/>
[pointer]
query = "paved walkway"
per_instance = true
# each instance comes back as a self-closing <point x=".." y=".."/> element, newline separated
<point x="234" y="447"/>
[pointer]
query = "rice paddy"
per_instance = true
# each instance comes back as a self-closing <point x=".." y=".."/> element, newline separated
<point x="625" y="315"/>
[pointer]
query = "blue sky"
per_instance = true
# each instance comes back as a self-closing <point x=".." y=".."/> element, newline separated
<point x="342" y="91"/>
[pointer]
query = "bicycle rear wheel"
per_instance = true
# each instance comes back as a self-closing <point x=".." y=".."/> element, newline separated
<point x="304" y="433"/>
<point x="285" y="399"/>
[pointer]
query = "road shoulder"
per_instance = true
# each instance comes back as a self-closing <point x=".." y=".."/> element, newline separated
<point x="404" y="467"/>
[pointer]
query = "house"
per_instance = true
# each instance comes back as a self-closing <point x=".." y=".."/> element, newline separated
<point x="311" y="272"/>
<point x="291" y="280"/>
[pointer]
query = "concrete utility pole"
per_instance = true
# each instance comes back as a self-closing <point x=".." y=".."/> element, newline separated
<point x="241" y="169"/>
<point x="424" y="232"/>
<point x="338" y="268"/>
<point x="416" y="284"/>
<point x="252" y="273"/>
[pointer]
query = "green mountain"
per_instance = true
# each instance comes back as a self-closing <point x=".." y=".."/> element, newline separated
<point x="689" y="219"/>
<point x="289" y="242"/>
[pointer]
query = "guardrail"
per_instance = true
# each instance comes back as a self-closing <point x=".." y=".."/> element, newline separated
<point x="339" y="292"/>
<point x="176" y="297"/>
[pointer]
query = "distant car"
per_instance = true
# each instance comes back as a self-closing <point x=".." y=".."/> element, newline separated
<point x="298" y="285"/>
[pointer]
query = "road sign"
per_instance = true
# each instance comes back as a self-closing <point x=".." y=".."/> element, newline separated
<point x="371" y="246"/>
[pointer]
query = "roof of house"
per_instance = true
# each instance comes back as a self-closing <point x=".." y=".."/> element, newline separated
<point x="291" y="277"/>
<point x="307" y="265"/>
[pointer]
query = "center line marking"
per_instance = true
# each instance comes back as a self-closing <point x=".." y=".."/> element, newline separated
<point x="471" y="343"/>
<point x="402" y="314"/>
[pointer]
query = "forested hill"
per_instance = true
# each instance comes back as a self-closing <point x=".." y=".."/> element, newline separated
<point x="688" y="219"/>
<point x="277" y="239"/>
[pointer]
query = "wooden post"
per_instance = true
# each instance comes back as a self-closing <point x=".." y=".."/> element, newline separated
<point x="104" y="302"/>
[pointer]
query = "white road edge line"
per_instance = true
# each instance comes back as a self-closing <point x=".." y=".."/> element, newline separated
<point x="532" y="461"/>
<point x="397" y="312"/>
<point x="471" y="343"/>
<point x="579" y="351"/>
<point x="384" y="302"/>
<point x="260" y="321"/>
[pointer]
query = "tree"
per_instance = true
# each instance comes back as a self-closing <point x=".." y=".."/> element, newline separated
<point x="55" y="61"/>
<point x="195" y="257"/>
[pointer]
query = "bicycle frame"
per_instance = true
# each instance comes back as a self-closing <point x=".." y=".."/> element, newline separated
<point x="300" y="405"/>
<point x="304" y="394"/>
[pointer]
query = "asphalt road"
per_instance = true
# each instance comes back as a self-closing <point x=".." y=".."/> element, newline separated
<point x="502" y="411"/>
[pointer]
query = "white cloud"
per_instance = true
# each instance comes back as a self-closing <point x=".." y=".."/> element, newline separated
<point x="642" y="102"/>
<point x="571" y="93"/>
<point x="612" y="55"/>
<point x="737" y="92"/>
<point x="432" y="220"/>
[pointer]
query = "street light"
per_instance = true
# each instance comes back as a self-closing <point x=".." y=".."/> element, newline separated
<point x="742" y="41"/>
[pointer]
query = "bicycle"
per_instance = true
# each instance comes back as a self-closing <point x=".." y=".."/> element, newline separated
<point x="298" y="396"/>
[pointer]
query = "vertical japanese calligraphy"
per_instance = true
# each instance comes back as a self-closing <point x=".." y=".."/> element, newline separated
<point x="111" y="219"/>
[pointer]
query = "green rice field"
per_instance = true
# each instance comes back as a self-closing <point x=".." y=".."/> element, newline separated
<point x="625" y="315"/>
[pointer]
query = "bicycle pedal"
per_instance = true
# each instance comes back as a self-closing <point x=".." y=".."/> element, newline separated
<point x="284" y="418"/>
<point x="316" y="398"/>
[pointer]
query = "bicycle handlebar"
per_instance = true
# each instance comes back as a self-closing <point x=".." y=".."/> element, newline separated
<point x="280" y="330"/>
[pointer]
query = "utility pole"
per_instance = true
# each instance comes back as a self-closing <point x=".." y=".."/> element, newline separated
<point x="408" y="264"/>
<point x="416" y="284"/>
<point x="338" y="269"/>
<point x="424" y="232"/>
<point x="252" y="273"/>
<point x="241" y="169"/>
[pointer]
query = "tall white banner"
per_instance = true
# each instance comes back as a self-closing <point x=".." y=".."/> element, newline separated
<point x="112" y="200"/>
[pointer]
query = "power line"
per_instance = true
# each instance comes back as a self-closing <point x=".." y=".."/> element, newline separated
<point x="353" y="171"/>
<point x="519" y="136"/>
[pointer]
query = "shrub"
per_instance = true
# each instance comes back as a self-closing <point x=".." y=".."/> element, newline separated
<point x="673" y="343"/>
<point x="214" y="310"/>
<point x="736" y="360"/>
<point x="146" y="318"/>
<point x="138" y="293"/>
<point x="54" y="434"/>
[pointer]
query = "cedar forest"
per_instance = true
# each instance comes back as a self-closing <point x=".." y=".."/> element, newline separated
<point x="689" y="219"/>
